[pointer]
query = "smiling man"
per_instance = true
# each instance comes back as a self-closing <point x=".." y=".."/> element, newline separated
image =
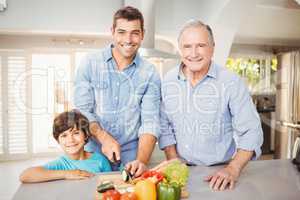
<point x="207" y="114"/>
<point x="119" y="92"/>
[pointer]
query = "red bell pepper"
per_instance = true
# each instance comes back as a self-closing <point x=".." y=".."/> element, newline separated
<point x="154" y="176"/>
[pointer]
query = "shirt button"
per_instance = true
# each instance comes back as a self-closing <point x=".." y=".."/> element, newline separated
<point x="118" y="83"/>
<point x="116" y="98"/>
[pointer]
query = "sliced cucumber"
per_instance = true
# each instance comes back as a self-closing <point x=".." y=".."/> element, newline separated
<point x="103" y="187"/>
<point x="126" y="175"/>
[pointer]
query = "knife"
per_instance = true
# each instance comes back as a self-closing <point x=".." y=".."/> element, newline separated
<point x="115" y="161"/>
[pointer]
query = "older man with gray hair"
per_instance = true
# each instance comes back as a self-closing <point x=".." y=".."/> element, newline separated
<point x="207" y="114"/>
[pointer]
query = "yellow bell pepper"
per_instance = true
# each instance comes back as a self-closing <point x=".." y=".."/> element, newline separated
<point x="145" y="190"/>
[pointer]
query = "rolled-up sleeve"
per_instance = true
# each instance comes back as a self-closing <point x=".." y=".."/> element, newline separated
<point x="167" y="136"/>
<point x="150" y="106"/>
<point x="84" y="99"/>
<point x="245" y="119"/>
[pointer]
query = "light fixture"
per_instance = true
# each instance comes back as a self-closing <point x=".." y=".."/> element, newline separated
<point x="3" y="5"/>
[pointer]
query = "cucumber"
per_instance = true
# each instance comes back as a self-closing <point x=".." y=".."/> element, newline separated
<point x="126" y="175"/>
<point x="103" y="187"/>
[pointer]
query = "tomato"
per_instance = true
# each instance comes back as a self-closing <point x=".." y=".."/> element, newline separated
<point x="129" y="196"/>
<point x="111" y="195"/>
<point x="154" y="176"/>
<point x="145" y="190"/>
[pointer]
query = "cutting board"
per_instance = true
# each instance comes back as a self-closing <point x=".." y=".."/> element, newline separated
<point x="114" y="177"/>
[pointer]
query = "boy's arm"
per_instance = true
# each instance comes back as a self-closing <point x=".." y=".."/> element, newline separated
<point x="40" y="174"/>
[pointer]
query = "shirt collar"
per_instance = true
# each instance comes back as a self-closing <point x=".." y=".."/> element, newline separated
<point x="108" y="56"/>
<point x="212" y="71"/>
<point x="181" y="75"/>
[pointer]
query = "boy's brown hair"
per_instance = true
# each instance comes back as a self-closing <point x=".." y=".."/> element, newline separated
<point x="69" y="120"/>
<point x="129" y="13"/>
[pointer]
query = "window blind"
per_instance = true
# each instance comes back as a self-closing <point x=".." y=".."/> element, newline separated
<point x="17" y="123"/>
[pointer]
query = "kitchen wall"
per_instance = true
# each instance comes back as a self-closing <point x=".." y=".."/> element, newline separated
<point x="78" y="16"/>
<point x="94" y="16"/>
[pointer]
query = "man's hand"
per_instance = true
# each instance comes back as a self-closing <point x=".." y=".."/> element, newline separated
<point x="136" y="168"/>
<point x="223" y="179"/>
<point x="226" y="177"/>
<point x="77" y="174"/>
<point x="108" y="143"/>
<point x="109" y="147"/>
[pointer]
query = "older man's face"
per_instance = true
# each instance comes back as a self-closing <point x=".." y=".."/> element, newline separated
<point x="195" y="48"/>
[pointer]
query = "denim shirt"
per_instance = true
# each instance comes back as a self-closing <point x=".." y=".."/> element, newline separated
<point x="209" y="121"/>
<point x="125" y="103"/>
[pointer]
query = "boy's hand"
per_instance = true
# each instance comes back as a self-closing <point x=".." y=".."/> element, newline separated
<point x="77" y="174"/>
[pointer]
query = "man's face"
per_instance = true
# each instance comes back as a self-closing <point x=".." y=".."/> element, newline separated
<point x="127" y="37"/>
<point x="195" y="48"/>
<point x="72" y="141"/>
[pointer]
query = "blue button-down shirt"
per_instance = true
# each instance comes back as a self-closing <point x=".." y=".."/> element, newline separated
<point x="209" y="121"/>
<point x="125" y="103"/>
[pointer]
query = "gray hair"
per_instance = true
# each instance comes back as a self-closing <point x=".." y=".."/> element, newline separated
<point x="199" y="24"/>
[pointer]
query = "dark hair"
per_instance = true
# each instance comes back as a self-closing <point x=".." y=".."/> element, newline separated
<point x="70" y="119"/>
<point x="129" y="13"/>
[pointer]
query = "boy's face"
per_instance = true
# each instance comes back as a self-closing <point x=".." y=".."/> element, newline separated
<point x="127" y="37"/>
<point x="72" y="141"/>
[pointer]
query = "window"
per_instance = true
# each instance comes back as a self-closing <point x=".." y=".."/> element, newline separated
<point x="52" y="88"/>
<point x="50" y="96"/>
<point x="259" y="73"/>
<point x="35" y="86"/>
<point x="14" y="134"/>
<point x="16" y="115"/>
<point x="52" y="91"/>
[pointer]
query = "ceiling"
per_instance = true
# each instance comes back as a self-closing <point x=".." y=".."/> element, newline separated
<point x="273" y="22"/>
<point x="269" y="22"/>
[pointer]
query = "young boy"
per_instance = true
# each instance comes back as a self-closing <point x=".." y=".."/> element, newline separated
<point x="71" y="131"/>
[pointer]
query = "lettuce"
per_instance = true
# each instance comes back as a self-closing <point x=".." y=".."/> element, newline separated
<point x="176" y="172"/>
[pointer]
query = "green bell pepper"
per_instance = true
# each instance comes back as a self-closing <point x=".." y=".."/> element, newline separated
<point x="167" y="191"/>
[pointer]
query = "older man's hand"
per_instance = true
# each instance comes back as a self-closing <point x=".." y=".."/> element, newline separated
<point x="224" y="178"/>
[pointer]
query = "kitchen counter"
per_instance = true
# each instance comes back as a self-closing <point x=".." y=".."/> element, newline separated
<point x="271" y="179"/>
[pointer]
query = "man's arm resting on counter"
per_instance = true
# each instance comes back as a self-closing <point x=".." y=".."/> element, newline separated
<point x="229" y="174"/>
<point x="240" y="159"/>
<point x="109" y="144"/>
